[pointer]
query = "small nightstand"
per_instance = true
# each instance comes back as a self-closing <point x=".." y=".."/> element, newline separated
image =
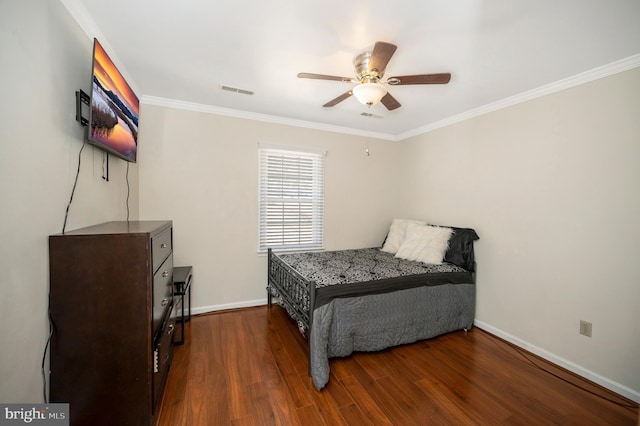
<point x="182" y="287"/>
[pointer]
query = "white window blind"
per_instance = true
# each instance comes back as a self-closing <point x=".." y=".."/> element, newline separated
<point x="291" y="200"/>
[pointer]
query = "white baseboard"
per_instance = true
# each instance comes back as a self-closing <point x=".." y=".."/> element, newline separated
<point x="589" y="375"/>
<point x="214" y="308"/>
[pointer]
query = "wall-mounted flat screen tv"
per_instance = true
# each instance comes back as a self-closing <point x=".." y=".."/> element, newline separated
<point x="113" y="116"/>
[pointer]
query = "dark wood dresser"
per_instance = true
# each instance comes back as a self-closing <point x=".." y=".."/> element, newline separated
<point x="111" y="294"/>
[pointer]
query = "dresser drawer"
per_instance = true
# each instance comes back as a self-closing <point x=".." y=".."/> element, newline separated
<point x="162" y="355"/>
<point x="161" y="246"/>
<point x="162" y="292"/>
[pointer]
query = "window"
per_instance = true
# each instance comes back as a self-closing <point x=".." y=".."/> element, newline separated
<point x="291" y="199"/>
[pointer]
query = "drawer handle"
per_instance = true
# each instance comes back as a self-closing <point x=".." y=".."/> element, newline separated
<point x="165" y="274"/>
<point x="164" y="302"/>
<point x="163" y="245"/>
<point x="170" y="329"/>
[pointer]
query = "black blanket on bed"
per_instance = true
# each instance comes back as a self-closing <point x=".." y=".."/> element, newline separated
<point x="348" y="273"/>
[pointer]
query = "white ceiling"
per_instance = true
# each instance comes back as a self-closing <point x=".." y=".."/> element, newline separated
<point x="180" y="52"/>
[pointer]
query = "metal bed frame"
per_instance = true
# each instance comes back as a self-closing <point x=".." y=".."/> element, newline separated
<point x="296" y="294"/>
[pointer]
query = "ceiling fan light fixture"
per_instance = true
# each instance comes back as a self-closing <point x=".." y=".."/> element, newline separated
<point x="369" y="93"/>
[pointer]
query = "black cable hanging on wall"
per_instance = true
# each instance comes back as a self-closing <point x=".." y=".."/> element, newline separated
<point x="66" y="213"/>
<point x="105" y="170"/>
<point x="127" y="178"/>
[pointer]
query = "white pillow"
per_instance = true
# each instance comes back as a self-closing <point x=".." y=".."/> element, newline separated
<point x="397" y="233"/>
<point x="425" y="243"/>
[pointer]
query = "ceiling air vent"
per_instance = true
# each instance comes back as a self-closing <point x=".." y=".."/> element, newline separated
<point x="235" y="90"/>
<point x="366" y="114"/>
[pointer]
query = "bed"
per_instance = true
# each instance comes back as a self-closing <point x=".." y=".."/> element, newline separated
<point x="371" y="299"/>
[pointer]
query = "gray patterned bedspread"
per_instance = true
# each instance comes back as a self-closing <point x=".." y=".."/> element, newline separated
<point x="329" y="268"/>
<point x="347" y="273"/>
<point x="369" y="300"/>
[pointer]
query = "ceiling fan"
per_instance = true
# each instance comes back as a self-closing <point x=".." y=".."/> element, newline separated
<point x="369" y="69"/>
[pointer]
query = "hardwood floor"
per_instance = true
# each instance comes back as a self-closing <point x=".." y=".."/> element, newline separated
<point x="249" y="367"/>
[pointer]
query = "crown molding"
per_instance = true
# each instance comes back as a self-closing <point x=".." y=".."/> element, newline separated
<point x="616" y="67"/>
<point x="86" y="23"/>
<point x="227" y="112"/>
<point x="82" y="17"/>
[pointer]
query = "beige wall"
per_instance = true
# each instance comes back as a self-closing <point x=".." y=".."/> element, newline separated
<point x="553" y="188"/>
<point x="201" y="170"/>
<point x="44" y="59"/>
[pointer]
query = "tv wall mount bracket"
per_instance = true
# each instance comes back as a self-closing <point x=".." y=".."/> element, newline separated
<point x="82" y="107"/>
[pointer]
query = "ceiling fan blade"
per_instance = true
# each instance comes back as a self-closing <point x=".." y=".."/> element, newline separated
<point x="390" y="102"/>
<point x="324" y="77"/>
<point x="382" y="53"/>
<point x="420" y="79"/>
<point x="339" y="99"/>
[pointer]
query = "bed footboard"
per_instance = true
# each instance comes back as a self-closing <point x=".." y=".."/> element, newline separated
<point x="295" y="293"/>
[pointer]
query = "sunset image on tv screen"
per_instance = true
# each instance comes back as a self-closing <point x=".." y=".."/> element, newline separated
<point x="114" y="108"/>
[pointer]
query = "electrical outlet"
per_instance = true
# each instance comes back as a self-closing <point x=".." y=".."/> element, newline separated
<point x="585" y="328"/>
